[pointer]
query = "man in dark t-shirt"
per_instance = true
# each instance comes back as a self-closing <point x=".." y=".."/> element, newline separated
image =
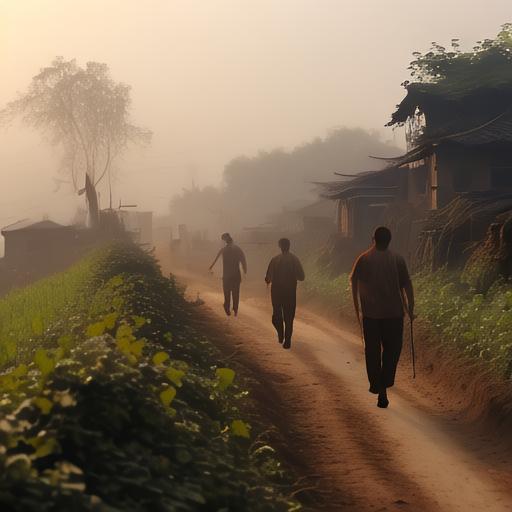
<point x="232" y="258"/>
<point x="283" y="273"/>
<point x="382" y="290"/>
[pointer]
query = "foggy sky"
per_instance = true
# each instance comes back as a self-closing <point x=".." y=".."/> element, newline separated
<point x="214" y="79"/>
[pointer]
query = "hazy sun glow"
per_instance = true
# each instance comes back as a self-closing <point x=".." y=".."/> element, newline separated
<point x="214" y="80"/>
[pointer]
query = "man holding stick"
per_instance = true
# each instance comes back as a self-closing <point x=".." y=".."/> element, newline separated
<point x="382" y="290"/>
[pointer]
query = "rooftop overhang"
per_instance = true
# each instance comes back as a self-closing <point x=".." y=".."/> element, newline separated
<point x="416" y="154"/>
<point x="497" y="130"/>
<point x="28" y="226"/>
<point x="381" y="181"/>
<point x="363" y="192"/>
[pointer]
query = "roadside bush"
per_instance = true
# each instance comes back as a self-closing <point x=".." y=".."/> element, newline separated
<point x="124" y="405"/>
<point x="332" y="291"/>
<point x="477" y="324"/>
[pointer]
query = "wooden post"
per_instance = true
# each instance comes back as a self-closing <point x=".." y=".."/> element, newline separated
<point x="434" y="184"/>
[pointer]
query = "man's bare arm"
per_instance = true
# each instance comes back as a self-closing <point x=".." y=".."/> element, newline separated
<point x="243" y="261"/>
<point x="355" y="296"/>
<point x="268" y="276"/>
<point x="300" y="271"/>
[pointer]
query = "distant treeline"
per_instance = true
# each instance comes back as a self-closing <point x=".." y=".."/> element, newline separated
<point x="256" y="187"/>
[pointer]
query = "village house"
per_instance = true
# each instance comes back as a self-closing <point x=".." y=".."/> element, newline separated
<point x="43" y="243"/>
<point x="370" y="199"/>
<point x="312" y="219"/>
<point x="462" y="138"/>
<point x="459" y="156"/>
<point x="35" y="249"/>
<point x="363" y="199"/>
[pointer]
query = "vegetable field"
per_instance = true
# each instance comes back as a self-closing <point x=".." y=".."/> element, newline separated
<point x="111" y="400"/>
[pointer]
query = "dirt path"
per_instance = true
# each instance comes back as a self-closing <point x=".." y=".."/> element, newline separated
<point x="411" y="456"/>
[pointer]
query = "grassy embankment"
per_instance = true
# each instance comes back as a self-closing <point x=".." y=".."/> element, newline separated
<point x="477" y="325"/>
<point x="112" y="400"/>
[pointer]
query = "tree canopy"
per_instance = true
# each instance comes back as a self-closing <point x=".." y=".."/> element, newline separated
<point x="256" y="187"/>
<point x="452" y="71"/>
<point x="84" y="112"/>
<point x="459" y="84"/>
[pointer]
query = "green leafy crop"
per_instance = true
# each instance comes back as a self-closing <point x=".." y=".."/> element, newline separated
<point x="104" y="409"/>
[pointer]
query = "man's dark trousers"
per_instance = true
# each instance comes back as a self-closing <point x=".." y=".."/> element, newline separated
<point x="231" y="286"/>
<point x="383" y="344"/>
<point x="284" y="303"/>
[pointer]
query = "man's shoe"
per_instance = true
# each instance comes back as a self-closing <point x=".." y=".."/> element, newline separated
<point x="287" y="344"/>
<point x="382" y="402"/>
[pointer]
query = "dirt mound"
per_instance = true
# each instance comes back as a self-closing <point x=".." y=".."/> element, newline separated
<point x="468" y="386"/>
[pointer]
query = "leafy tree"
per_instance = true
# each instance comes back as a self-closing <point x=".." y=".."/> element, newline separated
<point x="488" y="63"/>
<point x="257" y="187"/>
<point x="465" y="83"/>
<point x="86" y="113"/>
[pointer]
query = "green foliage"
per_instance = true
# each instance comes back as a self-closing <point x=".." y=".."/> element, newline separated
<point x="44" y="362"/>
<point x="96" y="329"/>
<point x="479" y="325"/>
<point x="167" y="396"/>
<point x="240" y="429"/>
<point x="105" y="414"/>
<point x="333" y="291"/>
<point x="175" y="376"/>
<point x="225" y="377"/>
<point x="37" y="326"/>
<point x="454" y="71"/>
<point x="160" y="357"/>
<point x="25" y="312"/>
<point x="44" y="404"/>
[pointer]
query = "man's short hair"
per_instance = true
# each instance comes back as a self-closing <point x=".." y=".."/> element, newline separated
<point x="226" y="237"/>
<point x="284" y="244"/>
<point x="382" y="237"/>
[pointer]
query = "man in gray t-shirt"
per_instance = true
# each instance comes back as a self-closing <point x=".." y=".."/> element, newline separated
<point x="382" y="291"/>
<point x="232" y="258"/>
<point x="283" y="273"/>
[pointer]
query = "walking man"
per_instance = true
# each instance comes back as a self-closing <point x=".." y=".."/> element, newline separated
<point x="283" y="273"/>
<point x="382" y="291"/>
<point x="232" y="258"/>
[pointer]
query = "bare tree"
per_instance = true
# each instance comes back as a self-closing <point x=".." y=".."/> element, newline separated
<point x="82" y="110"/>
